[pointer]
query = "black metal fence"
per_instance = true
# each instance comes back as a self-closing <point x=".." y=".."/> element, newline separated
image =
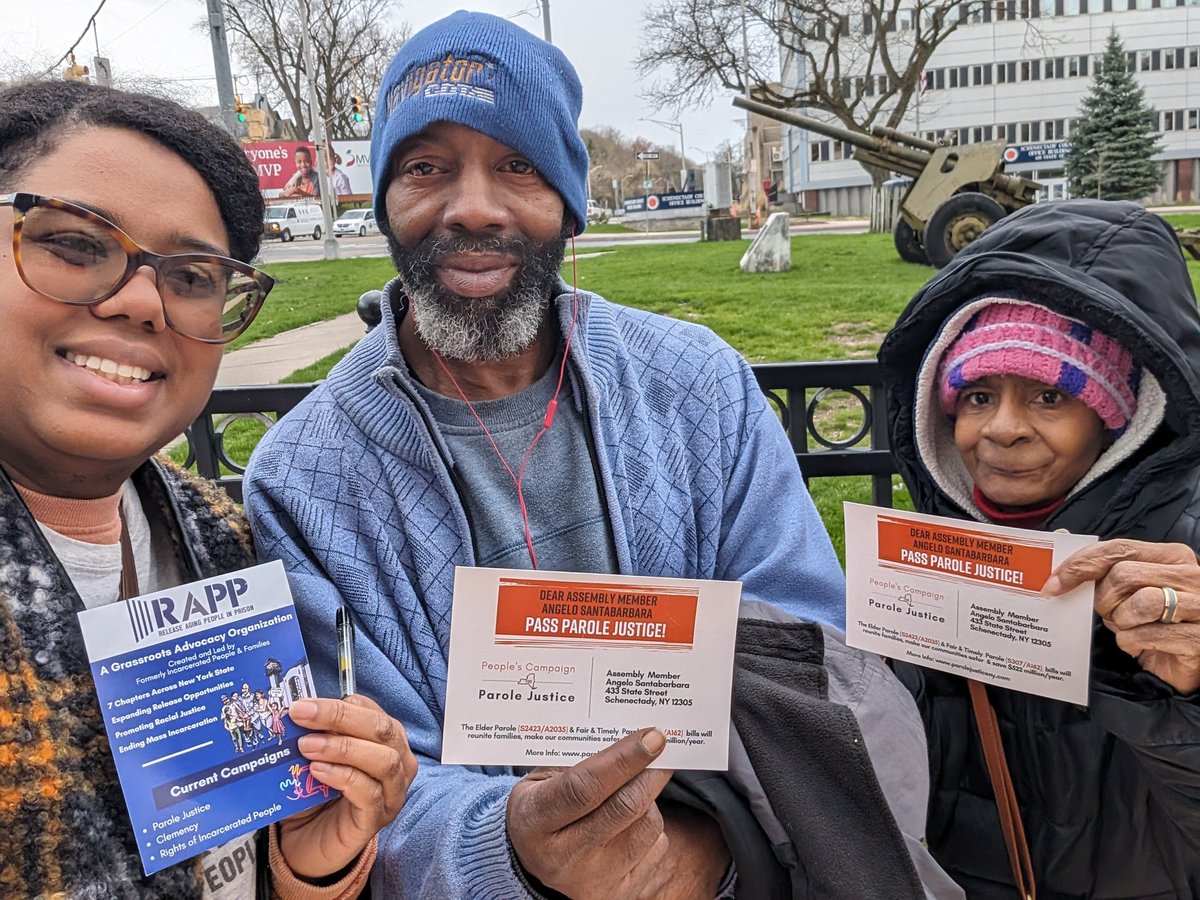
<point x="832" y="411"/>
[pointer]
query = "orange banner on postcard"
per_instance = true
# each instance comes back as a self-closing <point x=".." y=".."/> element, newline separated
<point x="571" y="610"/>
<point x="962" y="552"/>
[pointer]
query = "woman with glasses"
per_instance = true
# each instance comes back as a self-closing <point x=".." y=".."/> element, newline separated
<point x="124" y="268"/>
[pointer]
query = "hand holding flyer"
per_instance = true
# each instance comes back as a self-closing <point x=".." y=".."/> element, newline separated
<point x="196" y="683"/>
<point x="964" y="597"/>
<point x="547" y="668"/>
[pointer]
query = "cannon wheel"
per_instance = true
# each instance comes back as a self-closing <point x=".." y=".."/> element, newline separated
<point x="957" y="222"/>
<point x="908" y="245"/>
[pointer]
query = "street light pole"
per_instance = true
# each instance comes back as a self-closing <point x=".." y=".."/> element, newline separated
<point x="546" y="21"/>
<point x="677" y="126"/>
<point x="320" y="135"/>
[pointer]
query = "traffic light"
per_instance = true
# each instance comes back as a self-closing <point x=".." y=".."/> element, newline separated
<point x="240" y="108"/>
<point x="75" y="72"/>
<point x="357" y="110"/>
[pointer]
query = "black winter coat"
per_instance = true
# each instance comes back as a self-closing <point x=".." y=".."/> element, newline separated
<point x="1110" y="793"/>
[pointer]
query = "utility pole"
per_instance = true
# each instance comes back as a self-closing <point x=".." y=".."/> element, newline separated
<point x="546" y="21"/>
<point x="750" y="156"/>
<point x="319" y="135"/>
<point x="220" y="48"/>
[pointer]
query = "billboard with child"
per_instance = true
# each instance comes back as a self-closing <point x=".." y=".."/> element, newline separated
<point x="288" y="169"/>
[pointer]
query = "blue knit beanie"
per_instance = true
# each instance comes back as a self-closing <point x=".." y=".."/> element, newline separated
<point x="495" y="77"/>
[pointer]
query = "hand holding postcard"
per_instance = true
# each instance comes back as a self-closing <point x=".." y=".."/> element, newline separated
<point x="963" y="597"/>
<point x="195" y="683"/>
<point x="547" y="668"/>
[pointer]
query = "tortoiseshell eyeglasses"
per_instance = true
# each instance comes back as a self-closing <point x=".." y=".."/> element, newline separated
<point x="71" y="254"/>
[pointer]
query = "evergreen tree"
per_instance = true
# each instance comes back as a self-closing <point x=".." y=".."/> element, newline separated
<point x="1115" y="135"/>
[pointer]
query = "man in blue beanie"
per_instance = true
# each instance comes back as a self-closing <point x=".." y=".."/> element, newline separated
<point x="499" y="417"/>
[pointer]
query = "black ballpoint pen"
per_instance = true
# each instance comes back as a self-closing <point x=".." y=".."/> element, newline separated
<point x="345" y="637"/>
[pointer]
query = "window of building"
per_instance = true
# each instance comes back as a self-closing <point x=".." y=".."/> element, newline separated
<point x="953" y="78"/>
<point x="939" y="80"/>
<point x="819" y="151"/>
<point x="1026" y="133"/>
<point x="1073" y="66"/>
<point x="1027" y="70"/>
<point x="1193" y="118"/>
<point x="907" y="19"/>
<point x="1143" y="60"/>
<point x="868" y="24"/>
<point x="1193" y="56"/>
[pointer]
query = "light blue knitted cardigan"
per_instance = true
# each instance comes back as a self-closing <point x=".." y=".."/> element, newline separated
<point x="352" y="492"/>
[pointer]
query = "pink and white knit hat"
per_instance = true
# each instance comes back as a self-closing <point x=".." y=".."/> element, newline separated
<point x="1028" y="340"/>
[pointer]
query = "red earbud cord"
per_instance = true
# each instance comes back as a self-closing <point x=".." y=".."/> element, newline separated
<point x="518" y="479"/>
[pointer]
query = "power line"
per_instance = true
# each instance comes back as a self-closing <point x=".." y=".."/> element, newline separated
<point x="112" y="41"/>
<point x="90" y="23"/>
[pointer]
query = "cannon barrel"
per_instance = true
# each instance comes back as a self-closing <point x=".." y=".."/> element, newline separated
<point x="884" y="147"/>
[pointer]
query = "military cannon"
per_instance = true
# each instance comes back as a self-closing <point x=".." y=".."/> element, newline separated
<point x="955" y="191"/>
<point x="1189" y="239"/>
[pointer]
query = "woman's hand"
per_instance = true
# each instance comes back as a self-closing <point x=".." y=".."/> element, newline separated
<point x="361" y="751"/>
<point x="1130" y="579"/>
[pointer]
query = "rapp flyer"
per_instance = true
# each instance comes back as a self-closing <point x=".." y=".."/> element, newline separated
<point x="195" y="683"/>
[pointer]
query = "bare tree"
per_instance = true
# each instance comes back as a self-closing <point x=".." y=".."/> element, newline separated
<point x="862" y="59"/>
<point x="352" y="45"/>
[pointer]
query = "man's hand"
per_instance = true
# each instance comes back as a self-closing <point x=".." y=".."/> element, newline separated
<point x="595" y="830"/>
<point x="1130" y="577"/>
<point x="362" y="752"/>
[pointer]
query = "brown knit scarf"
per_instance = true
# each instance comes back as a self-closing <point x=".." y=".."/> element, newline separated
<point x="64" y="829"/>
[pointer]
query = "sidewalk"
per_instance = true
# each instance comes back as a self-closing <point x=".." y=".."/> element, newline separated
<point x="268" y="361"/>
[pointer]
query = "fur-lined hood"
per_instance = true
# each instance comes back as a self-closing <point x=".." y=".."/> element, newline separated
<point x="1118" y="269"/>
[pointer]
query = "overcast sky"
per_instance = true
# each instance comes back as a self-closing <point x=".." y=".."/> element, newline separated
<point x="156" y="37"/>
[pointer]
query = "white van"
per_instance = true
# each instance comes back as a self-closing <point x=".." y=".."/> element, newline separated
<point x="287" y="220"/>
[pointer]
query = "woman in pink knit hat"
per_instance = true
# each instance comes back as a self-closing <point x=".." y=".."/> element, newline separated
<point x="1050" y="379"/>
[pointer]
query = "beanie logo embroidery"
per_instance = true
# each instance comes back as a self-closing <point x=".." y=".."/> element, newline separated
<point x="466" y="75"/>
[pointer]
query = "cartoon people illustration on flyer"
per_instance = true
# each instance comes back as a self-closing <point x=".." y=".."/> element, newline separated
<point x="254" y="716"/>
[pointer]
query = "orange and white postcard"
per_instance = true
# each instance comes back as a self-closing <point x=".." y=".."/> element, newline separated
<point x="547" y="668"/>
<point x="964" y="597"/>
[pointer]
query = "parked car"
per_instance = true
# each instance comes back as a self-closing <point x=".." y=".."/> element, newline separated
<point x="286" y="220"/>
<point x="356" y="221"/>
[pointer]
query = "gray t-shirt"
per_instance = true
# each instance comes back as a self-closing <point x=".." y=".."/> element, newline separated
<point x="562" y="495"/>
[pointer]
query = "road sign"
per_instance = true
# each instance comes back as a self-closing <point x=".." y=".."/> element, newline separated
<point x="648" y="183"/>
<point x="647" y="154"/>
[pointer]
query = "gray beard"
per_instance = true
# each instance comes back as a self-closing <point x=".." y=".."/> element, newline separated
<point x="478" y="329"/>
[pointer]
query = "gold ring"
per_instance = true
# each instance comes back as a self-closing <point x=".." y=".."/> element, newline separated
<point x="1170" y="604"/>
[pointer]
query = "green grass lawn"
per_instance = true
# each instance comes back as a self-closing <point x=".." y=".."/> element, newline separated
<point x="1183" y="220"/>
<point x="308" y="292"/>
